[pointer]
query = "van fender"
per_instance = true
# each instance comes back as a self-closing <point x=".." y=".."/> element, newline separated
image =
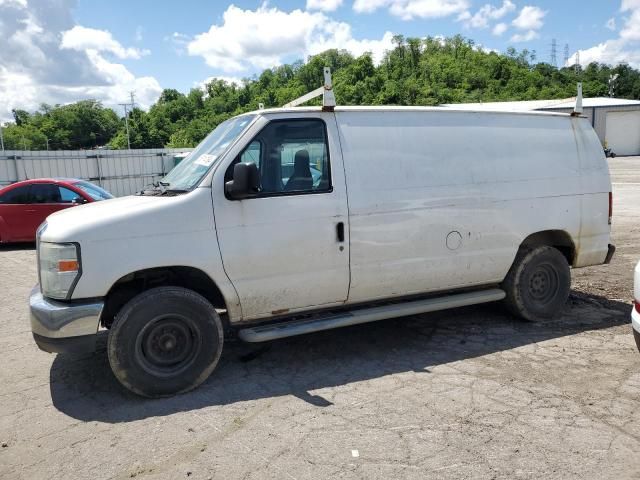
<point x="557" y="238"/>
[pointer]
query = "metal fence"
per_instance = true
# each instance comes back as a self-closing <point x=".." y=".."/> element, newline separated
<point x="122" y="172"/>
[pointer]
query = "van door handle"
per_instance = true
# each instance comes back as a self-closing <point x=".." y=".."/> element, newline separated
<point x="340" y="231"/>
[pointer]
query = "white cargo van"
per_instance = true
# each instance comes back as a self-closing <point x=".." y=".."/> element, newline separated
<point x="294" y="220"/>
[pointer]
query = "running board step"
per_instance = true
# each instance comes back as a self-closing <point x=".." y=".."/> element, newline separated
<point x="300" y="327"/>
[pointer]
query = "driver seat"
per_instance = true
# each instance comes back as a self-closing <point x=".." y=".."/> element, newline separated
<point x="301" y="178"/>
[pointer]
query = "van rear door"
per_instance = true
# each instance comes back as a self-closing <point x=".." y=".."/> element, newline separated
<point x="287" y="248"/>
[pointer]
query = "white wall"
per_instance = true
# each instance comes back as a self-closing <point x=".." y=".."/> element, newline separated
<point x="122" y="172"/>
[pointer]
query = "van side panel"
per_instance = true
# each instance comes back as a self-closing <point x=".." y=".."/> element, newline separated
<point x="595" y="230"/>
<point x="443" y="199"/>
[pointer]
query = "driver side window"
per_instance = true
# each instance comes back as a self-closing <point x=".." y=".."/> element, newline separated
<point x="252" y="153"/>
<point x="292" y="157"/>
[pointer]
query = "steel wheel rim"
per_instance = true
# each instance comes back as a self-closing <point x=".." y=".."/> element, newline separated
<point x="544" y="283"/>
<point x="167" y="345"/>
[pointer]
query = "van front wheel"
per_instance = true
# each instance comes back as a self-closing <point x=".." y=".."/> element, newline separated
<point x="165" y="341"/>
<point x="538" y="283"/>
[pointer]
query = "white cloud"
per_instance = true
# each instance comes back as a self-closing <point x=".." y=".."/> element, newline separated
<point x="340" y="37"/>
<point x="499" y="29"/>
<point x="631" y="29"/>
<point x="18" y="3"/>
<point x="46" y="58"/>
<point x="266" y="36"/>
<point x="82" y="39"/>
<point x="525" y="37"/>
<point x="530" y="18"/>
<point x="611" y="52"/>
<point x="120" y="81"/>
<point x="410" y="9"/>
<point x="324" y="5"/>
<point x="368" y="6"/>
<point x="623" y="49"/>
<point x="486" y="14"/>
<point x="611" y="24"/>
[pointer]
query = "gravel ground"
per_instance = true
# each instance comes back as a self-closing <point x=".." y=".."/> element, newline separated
<point x="468" y="393"/>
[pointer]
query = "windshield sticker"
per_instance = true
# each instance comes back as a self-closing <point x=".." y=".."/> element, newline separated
<point x="206" y="160"/>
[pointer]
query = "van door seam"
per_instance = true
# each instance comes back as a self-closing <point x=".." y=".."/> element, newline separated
<point x="346" y="192"/>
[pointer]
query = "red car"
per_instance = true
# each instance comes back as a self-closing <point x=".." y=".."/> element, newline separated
<point x="25" y="205"/>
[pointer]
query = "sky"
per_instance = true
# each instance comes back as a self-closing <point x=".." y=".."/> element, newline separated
<point x="61" y="51"/>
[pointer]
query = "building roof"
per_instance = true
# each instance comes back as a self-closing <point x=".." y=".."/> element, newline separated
<point x="545" y="104"/>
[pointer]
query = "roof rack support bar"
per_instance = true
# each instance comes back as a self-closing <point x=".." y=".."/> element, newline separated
<point x="328" y="98"/>
<point x="305" y="98"/>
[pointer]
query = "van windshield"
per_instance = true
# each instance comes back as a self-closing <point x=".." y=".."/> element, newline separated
<point x="190" y="171"/>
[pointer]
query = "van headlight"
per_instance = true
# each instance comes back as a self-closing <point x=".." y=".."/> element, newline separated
<point x="59" y="268"/>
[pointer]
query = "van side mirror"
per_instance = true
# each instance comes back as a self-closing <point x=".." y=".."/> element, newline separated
<point x="245" y="183"/>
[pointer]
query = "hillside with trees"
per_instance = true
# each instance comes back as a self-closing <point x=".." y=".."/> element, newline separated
<point x="428" y="71"/>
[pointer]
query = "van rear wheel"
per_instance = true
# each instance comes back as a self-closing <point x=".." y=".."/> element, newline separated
<point x="538" y="283"/>
<point x="165" y="341"/>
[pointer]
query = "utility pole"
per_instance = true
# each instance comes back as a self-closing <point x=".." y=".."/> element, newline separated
<point x="566" y="54"/>
<point x="577" y="61"/>
<point x="132" y="104"/>
<point x="554" y="52"/>
<point x="47" y="144"/>
<point x="126" y="123"/>
<point x="1" y="137"/>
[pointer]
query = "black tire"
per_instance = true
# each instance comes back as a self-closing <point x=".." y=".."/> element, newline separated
<point x="538" y="283"/>
<point x="165" y="341"/>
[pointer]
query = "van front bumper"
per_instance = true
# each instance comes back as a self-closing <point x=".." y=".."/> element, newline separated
<point x="64" y="327"/>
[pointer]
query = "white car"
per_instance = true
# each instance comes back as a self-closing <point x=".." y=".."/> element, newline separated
<point x="635" y="313"/>
<point x="410" y="210"/>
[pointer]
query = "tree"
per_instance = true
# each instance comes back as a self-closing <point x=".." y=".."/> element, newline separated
<point x="23" y="137"/>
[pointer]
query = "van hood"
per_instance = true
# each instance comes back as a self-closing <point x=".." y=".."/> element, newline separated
<point x="128" y="217"/>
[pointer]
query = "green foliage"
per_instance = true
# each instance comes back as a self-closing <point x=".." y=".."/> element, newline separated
<point x="84" y="124"/>
<point x="24" y="137"/>
<point x="427" y="71"/>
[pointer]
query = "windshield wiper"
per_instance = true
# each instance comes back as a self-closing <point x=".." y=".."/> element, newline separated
<point x="173" y="191"/>
<point x="159" y="189"/>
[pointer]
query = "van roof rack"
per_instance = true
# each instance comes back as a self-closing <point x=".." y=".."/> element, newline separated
<point x="328" y="98"/>
<point x="577" y="110"/>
